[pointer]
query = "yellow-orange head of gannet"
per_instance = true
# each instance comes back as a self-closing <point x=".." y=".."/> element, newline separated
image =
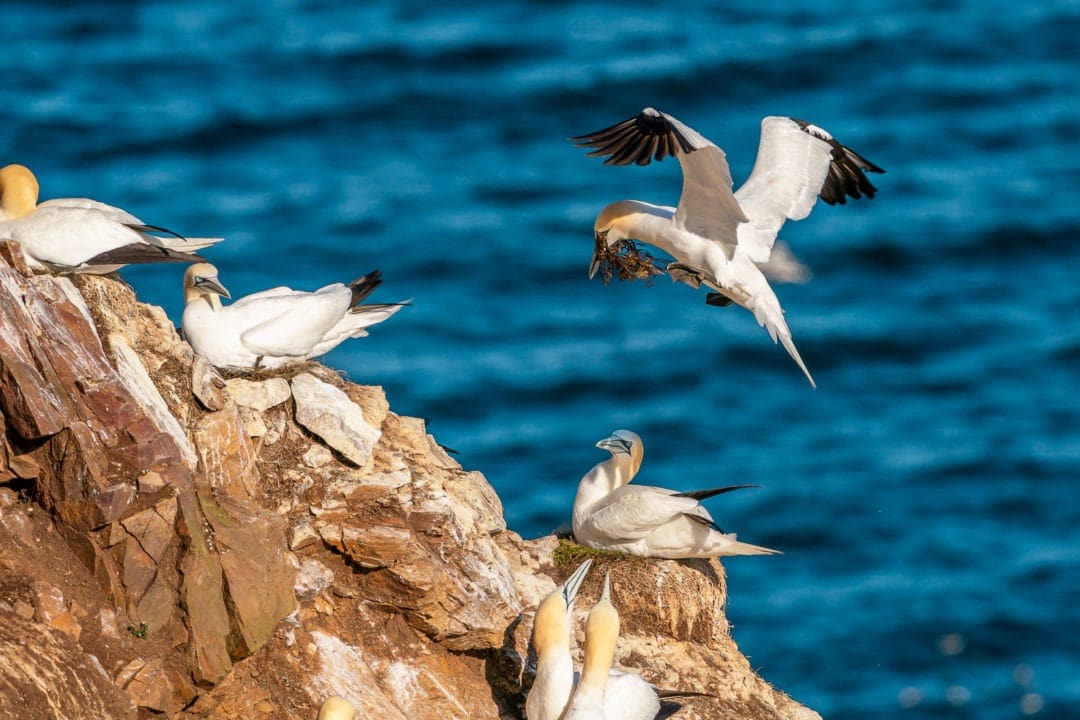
<point x="627" y="451"/>
<point x="337" y="708"/>
<point x="201" y="281"/>
<point x="18" y="192"/>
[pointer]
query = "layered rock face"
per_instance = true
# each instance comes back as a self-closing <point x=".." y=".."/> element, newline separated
<point x="176" y="543"/>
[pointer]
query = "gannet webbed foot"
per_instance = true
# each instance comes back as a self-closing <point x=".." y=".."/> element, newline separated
<point x="680" y="272"/>
<point x="718" y="300"/>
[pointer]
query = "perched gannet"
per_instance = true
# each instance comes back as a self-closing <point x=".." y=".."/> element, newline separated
<point x="554" y="680"/>
<point x="589" y="701"/>
<point x="82" y="235"/>
<point x="275" y="327"/>
<point x="644" y="520"/>
<point x="337" y="708"/>
<point x="716" y="236"/>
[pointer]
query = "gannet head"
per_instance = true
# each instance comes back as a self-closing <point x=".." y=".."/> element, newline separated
<point x="201" y="281"/>
<point x="551" y="628"/>
<point x="625" y="445"/>
<point x="18" y="191"/>
<point x="610" y="227"/>
<point x="337" y="708"/>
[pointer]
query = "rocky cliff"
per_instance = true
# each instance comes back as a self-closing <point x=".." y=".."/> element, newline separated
<point x="176" y="543"/>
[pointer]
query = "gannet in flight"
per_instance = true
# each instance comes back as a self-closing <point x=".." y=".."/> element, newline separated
<point x="648" y="521"/>
<point x="337" y="708"/>
<point x="82" y="235"/>
<point x="716" y="236"/>
<point x="275" y="327"/>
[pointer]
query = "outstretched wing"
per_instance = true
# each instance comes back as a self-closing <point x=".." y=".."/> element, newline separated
<point x="796" y="163"/>
<point x="707" y="206"/>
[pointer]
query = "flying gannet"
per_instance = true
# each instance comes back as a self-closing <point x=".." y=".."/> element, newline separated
<point x="337" y="708"/>
<point x="648" y="521"/>
<point x="715" y="236"/>
<point x="82" y="235"/>
<point x="276" y="327"/>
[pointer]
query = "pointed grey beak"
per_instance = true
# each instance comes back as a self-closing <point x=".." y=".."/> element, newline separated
<point x="212" y="284"/>
<point x="573" y="583"/>
<point x="615" y="444"/>
<point x="606" y="594"/>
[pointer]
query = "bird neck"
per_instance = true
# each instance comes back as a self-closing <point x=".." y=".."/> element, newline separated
<point x="194" y="295"/>
<point x="595" y="486"/>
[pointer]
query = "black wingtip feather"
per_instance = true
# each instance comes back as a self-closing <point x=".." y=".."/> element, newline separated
<point x="638" y="140"/>
<point x="362" y="287"/>
<point x="141" y="254"/>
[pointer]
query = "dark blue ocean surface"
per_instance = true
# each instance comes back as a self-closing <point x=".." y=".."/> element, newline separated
<point x="926" y="495"/>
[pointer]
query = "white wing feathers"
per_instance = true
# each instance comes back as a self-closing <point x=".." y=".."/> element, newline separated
<point x="788" y="174"/>
<point x="291" y="324"/>
<point x="632" y="512"/>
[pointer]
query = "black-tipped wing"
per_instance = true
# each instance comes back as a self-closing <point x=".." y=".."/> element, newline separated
<point x="847" y="171"/>
<point x="649" y="135"/>
<point x="137" y="253"/>
<point x="796" y="163"/>
<point x="703" y="494"/>
<point x="707" y="206"/>
<point x="362" y="287"/>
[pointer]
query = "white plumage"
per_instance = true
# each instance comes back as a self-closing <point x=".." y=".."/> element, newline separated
<point x="276" y="327"/>
<point x="716" y="237"/>
<point x="80" y="234"/>
<point x="649" y="521"/>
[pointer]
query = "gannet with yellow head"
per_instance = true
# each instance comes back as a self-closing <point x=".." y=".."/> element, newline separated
<point x="276" y="327"/>
<point x="82" y="235"/>
<point x="718" y="237"/>
<point x="649" y="521"/>
<point x="554" y="680"/>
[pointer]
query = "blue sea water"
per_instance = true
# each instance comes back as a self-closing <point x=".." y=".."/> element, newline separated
<point x="925" y="495"/>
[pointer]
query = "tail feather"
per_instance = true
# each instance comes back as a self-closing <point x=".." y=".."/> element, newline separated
<point x="767" y="311"/>
<point x="189" y="244"/>
<point x="362" y="287"/>
<point x="734" y="547"/>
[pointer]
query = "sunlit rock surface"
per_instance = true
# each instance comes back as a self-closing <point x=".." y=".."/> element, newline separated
<point x="200" y="546"/>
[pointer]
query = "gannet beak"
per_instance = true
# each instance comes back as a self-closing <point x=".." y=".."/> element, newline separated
<point x="212" y="284"/>
<point x="615" y="445"/>
<point x="573" y="583"/>
<point x="606" y="594"/>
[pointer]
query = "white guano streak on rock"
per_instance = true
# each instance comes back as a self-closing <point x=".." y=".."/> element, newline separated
<point x="329" y="413"/>
<point x="133" y="375"/>
<point x="344" y="671"/>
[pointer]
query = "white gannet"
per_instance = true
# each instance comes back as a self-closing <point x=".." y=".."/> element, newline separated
<point x="82" y="235"/>
<point x="596" y="696"/>
<point x="272" y="328"/>
<point x="554" y="680"/>
<point x="649" y="521"/>
<point x="337" y="708"/>
<point x="716" y="236"/>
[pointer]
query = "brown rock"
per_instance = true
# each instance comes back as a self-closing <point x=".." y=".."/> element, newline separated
<point x="207" y="386"/>
<point x="161" y="688"/>
<point x="256" y="571"/>
<point x="44" y="674"/>
<point x="226" y="453"/>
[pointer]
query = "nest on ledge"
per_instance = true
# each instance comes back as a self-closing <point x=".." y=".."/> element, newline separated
<point x="626" y="260"/>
